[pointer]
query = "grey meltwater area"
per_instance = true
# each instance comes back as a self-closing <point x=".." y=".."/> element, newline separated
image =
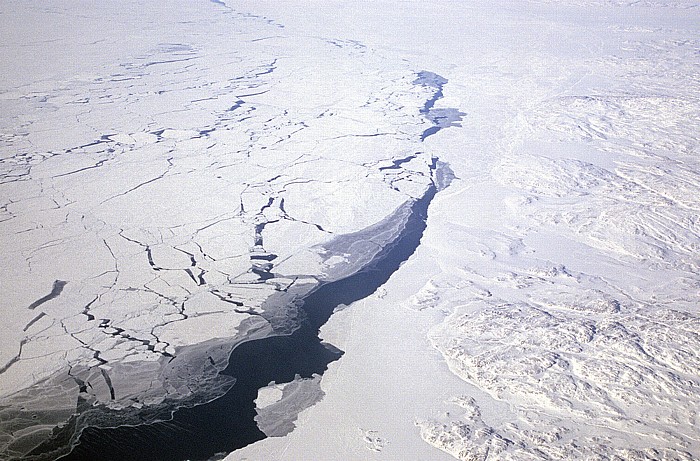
<point x="161" y="343"/>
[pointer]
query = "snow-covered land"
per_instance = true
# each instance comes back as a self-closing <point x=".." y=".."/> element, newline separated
<point x="175" y="178"/>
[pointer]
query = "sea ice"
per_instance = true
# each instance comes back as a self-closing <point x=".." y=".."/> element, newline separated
<point x="173" y="178"/>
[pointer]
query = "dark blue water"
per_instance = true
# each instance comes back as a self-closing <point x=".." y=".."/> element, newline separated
<point x="211" y="430"/>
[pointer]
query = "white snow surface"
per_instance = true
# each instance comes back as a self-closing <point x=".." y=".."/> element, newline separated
<point x="550" y="312"/>
<point x="558" y="276"/>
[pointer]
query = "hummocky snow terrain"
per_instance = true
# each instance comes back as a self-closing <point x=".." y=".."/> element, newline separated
<point x="175" y="180"/>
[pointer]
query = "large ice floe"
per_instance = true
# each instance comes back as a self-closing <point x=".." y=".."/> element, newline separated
<point x="489" y="210"/>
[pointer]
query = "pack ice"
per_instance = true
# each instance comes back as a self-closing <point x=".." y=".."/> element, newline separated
<point x="175" y="177"/>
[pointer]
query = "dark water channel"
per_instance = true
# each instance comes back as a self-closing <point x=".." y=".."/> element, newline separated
<point x="442" y="117"/>
<point x="213" y="429"/>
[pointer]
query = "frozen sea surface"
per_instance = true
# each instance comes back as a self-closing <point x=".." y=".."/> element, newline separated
<point x="175" y="178"/>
